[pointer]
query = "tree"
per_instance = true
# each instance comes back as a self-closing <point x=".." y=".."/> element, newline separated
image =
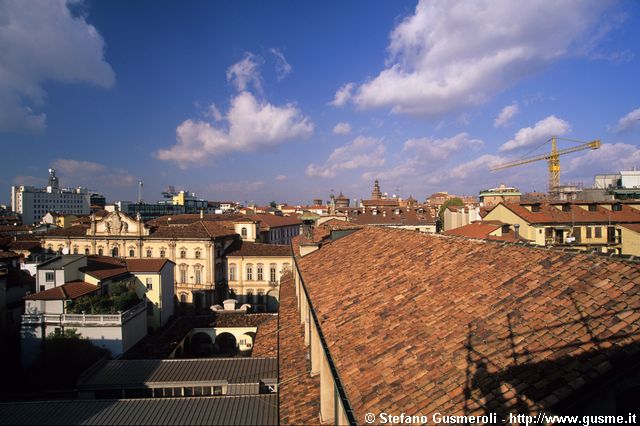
<point x="450" y="202"/>
<point x="66" y="355"/>
<point x="273" y="204"/>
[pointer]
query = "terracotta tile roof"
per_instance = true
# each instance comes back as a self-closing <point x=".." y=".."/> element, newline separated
<point x="436" y="323"/>
<point x="247" y="248"/>
<point x="635" y="227"/>
<point x="550" y="214"/>
<point x="268" y="221"/>
<point x="299" y="401"/>
<point x="474" y="230"/>
<point x="266" y="342"/>
<point x="190" y="218"/>
<point x="71" y="231"/>
<point x="24" y="245"/>
<point x="389" y="202"/>
<point x="146" y="265"/>
<point x="199" y="229"/>
<point x="103" y="267"/>
<point x="387" y="216"/>
<point x="71" y="290"/>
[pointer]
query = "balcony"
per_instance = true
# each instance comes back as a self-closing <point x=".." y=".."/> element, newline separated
<point x="84" y="320"/>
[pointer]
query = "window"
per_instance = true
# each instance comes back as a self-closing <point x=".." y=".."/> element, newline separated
<point x="100" y="252"/>
<point x="272" y="273"/>
<point x="616" y="207"/>
<point x="197" y="254"/>
<point x="588" y="232"/>
<point x="593" y="207"/>
<point x="149" y="283"/>
<point x="243" y="231"/>
<point x="162" y="253"/>
<point x="183" y="273"/>
<point x="249" y="272"/>
<point x="132" y="253"/>
<point x="183" y="297"/>
<point x="148" y="252"/>
<point x="598" y="232"/>
<point x="49" y="277"/>
<point x="232" y="272"/>
<point x="260" y="275"/>
<point x="114" y="252"/>
<point x="183" y="254"/>
<point x="42" y="287"/>
<point x="75" y="250"/>
<point x="198" y="274"/>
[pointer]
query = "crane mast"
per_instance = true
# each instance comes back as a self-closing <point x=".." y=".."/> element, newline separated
<point x="552" y="158"/>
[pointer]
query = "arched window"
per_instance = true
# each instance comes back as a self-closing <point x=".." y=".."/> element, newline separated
<point x="198" y="273"/>
<point x="183" y="273"/>
<point x="183" y="297"/>
<point x="232" y="272"/>
<point x="100" y="251"/>
<point x="249" y="272"/>
<point x="75" y="249"/>
<point x="132" y="253"/>
<point x="162" y="252"/>
<point x="114" y="252"/>
<point x="243" y="231"/>
<point x="197" y="254"/>
<point x="183" y="253"/>
<point x="148" y="252"/>
<point x="272" y="272"/>
<point x="86" y="251"/>
<point x="260" y="274"/>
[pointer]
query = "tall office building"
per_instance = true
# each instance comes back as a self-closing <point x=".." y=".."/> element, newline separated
<point x="33" y="203"/>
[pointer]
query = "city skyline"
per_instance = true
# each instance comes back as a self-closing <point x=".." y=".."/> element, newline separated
<point x="286" y="101"/>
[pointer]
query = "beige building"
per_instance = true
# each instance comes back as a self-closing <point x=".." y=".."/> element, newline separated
<point x="254" y="271"/>
<point x="609" y="227"/>
<point x="196" y="248"/>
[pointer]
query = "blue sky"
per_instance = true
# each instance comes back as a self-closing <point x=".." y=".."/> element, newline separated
<point x="289" y="100"/>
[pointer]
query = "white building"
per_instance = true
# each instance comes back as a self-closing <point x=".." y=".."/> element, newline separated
<point x="33" y="203"/>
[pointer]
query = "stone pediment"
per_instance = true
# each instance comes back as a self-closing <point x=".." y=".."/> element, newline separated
<point x="118" y="224"/>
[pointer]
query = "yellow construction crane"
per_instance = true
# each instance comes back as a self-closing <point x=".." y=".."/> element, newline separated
<point x="553" y="158"/>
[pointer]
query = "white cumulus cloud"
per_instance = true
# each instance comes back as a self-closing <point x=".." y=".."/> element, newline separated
<point x="252" y="124"/>
<point x="342" y="128"/>
<point x="504" y="118"/>
<point x="539" y="133"/>
<point x="281" y="178"/>
<point x="343" y="95"/>
<point x="610" y="158"/>
<point x="75" y="173"/>
<point x="362" y="152"/>
<point x="246" y="73"/>
<point x="249" y="124"/>
<point x="283" y="68"/>
<point x="629" y="121"/>
<point x="450" y="55"/>
<point x="42" y="41"/>
<point x="420" y="156"/>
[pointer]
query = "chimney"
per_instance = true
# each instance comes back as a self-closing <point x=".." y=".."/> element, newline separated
<point x="516" y="229"/>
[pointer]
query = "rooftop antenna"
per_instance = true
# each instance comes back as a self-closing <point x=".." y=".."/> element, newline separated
<point x="140" y="192"/>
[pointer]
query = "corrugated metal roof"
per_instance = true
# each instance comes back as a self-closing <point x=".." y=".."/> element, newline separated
<point x="228" y="410"/>
<point x="136" y="373"/>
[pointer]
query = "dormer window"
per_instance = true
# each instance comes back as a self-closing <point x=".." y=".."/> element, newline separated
<point x="535" y="208"/>
<point x="593" y="207"/>
<point x="616" y="207"/>
<point x="566" y="207"/>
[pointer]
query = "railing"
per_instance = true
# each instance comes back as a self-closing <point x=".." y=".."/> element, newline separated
<point x="83" y="319"/>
